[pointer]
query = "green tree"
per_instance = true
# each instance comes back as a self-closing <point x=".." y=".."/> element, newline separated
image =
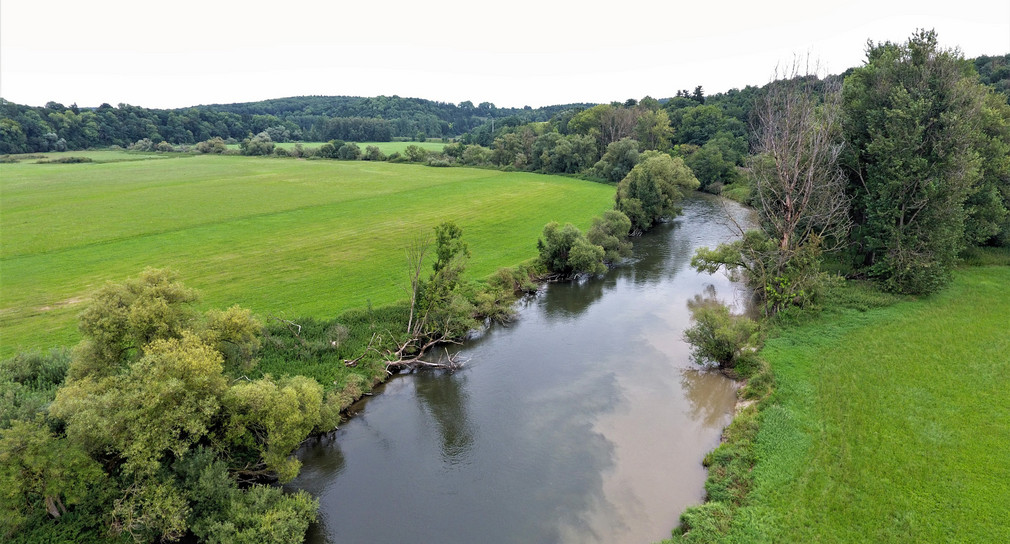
<point x="611" y="233"/>
<point x="621" y="156"/>
<point x="911" y="118"/>
<point x="653" y="129"/>
<point x="124" y="317"/>
<point x="373" y="153"/>
<point x="40" y="473"/>
<point x="567" y="252"/>
<point x="651" y="190"/>
<point x="415" y="153"/>
<point x="260" y="144"/>
<point x="349" y="152"/>
<point x="718" y="336"/>
<point x="988" y="218"/>
<point x="213" y="145"/>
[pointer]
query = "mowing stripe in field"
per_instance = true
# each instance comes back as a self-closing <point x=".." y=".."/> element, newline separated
<point x="891" y="425"/>
<point x="280" y="236"/>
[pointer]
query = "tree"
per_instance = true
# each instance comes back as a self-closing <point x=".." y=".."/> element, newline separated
<point x="719" y="336"/>
<point x="147" y="391"/>
<point x="124" y="317"/>
<point x="610" y="232"/>
<point x="373" y="153"/>
<point x="653" y="129"/>
<point x="449" y="245"/>
<point x="39" y="471"/>
<point x="566" y="251"/>
<point x="620" y="158"/>
<point x="12" y="138"/>
<point x="988" y="205"/>
<point x="260" y="144"/>
<point x="213" y="145"/>
<point x="651" y="190"/>
<point x="911" y="118"/>
<point x="799" y="185"/>
<point x="349" y="152"/>
<point x="799" y="193"/>
<point x="415" y="153"/>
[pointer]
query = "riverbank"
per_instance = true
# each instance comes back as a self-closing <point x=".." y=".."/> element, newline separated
<point x="888" y="423"/>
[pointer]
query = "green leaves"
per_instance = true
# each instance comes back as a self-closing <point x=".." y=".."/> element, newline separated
<point x="912" y="119"/>
<point x="272" y="418"/>
<point x="651" y="190"/>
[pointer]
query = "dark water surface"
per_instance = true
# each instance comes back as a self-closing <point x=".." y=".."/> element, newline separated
<point x="583" y="421"/>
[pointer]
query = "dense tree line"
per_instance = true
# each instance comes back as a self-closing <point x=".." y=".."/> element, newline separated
<point x="55" y="127"/>
<point x="899" y="168"/>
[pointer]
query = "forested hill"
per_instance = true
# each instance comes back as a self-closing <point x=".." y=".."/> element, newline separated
<point x="55" y="127"/>
<point x="407" y="117"/>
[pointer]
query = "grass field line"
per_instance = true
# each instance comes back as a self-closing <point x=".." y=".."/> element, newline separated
<point x="191" y="226"/>
<point x="281" y="237"/>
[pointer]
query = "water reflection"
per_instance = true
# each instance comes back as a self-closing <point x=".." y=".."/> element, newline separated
<point x="565" y="304"/>
<point x="443" y="397"/>
<point x="706" y="391"/>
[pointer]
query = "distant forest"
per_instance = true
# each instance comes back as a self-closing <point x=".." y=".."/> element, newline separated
<point x="55" y="127"/>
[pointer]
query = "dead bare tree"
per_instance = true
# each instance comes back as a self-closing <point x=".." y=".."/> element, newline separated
<point x="799" y="184"/>
<point x="800" y="192"/>
<point x="427" y="326"/>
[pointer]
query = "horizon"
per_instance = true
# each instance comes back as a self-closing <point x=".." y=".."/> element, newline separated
<point x="531" y="55"/>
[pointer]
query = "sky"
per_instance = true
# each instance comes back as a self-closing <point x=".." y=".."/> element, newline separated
<point x="517" y="53"/>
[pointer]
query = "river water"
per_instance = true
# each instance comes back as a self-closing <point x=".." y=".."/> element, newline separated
<point x="583" y="421"/>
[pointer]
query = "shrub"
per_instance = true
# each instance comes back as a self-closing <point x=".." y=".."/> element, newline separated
<point x="566" y="251"/>
<point x="213" y="145"/>
<point x="718" y="336"/>
<point x="415" y="153"/>
<point x="349" y="152"/>
<point x="373" y="153"/>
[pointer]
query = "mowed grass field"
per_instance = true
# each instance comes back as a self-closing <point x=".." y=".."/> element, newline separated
<point x="283" y="237"/>
<point x="891" y="425"/>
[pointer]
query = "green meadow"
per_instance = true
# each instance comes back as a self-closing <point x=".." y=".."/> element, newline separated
<point x="889" y="425"/>
<point x="284" y="237"/>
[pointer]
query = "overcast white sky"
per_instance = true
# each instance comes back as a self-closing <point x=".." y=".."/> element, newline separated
<point x="180" y="53"/>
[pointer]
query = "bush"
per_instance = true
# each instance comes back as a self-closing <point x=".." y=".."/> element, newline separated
<point x="566" y="251"/>
<point x="260" y="144"/>
<point x="65" y="160"/>
<point x="718" y="336"/>
<point x="373" y="153"/>
<point x="213" y="145"/>
<point x="415" y="153"/>
<point x="611" y="233"/>
<point x="36" y="369"/>
<point x="349" y="152"/>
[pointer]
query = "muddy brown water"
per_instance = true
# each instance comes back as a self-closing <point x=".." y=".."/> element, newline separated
<point x="583" y="421"/>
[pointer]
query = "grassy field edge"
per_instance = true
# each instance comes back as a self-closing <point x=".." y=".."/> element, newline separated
<point x="885" y="424"/>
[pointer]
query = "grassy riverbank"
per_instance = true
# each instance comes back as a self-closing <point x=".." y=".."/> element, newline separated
<point x="282" y="237"/>
<point x="887" y="425"/>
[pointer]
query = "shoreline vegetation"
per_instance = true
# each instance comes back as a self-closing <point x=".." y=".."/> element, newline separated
<point x="159" y="400"/>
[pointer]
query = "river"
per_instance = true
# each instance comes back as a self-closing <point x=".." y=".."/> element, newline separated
<point x="583" y="421"/>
